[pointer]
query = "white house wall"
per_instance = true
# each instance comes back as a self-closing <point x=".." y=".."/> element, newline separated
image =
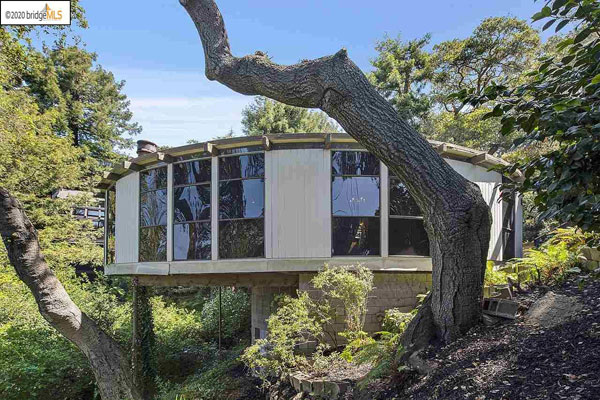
<point x="126" y="218"/>
<point x="297" y="207"/>
<point x="298" y="203"/>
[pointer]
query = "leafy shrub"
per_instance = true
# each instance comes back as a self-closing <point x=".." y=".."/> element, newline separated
<point x="351" y="287"/>
<point x="396" y="321"/>
<point x="495" y="277"/>
<point x="235" y="315"/>
<point x="300" y="321"/>
<point x="297" y="321"/>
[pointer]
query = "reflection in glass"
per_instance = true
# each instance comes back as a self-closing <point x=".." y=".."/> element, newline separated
<point x="247" y="166"/>
<point x="191" y="241"/>
<point x="153" y="244"/>
<point x="110" y="227"/>
<point x="191" y="172"/>
<point x="355" y="237"/>
<point x="241" y="199"/>
<point x="153" y="208"/>
<point x="354" y="163"/>
<point x="153" y="179"/>
<point x="356" y="196"/>
<point x="192" y="203"/>
<point x="242" y="238"/>
<point x="401" y="202"/>
<point x="408" y="237"/>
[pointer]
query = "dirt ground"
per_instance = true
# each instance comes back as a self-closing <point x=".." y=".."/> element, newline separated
<point x="514" y="360"/>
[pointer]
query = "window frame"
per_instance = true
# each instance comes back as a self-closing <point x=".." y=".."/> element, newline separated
<point x="208" y="183"/>
<point x="228" y="153"/>
<point x="332" y="216"/>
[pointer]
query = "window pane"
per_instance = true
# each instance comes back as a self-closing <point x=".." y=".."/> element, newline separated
<point x="252" y="165"/>
<point x="191" y="172"/>
<point x="192" y="203"/>
<point x="191" y="241"/>
<point x="153" y="208"/>
<point x="79" y="211"/>
<point x="401" y="202"/>
<point x="93" y="213"/>
<point x="153" y="244"/>
<point x="355" y="237"/>
<point x="357" y="196"/>
<point x="241" y="199"/>
<point x="110" y="227"/>
<point x="354" y="163"/>
<point x="241" y="238"/>
<point x="153" y="179"/>
<point x="408" y="237"/>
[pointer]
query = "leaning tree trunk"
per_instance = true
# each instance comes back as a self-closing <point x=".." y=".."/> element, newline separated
<point x="457" y="218"/>
<point x="109" y="363"/>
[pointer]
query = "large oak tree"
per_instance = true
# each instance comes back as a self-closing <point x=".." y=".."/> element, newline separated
<point x="457" y="218"/>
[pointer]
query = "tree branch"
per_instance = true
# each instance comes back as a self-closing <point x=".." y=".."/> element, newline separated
<point x="108" y="361"/>
<point x="454" y="211"/>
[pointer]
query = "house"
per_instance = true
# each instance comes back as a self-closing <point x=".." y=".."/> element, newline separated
<point x="268" y="212"/>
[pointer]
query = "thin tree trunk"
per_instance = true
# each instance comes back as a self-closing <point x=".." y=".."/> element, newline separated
<point x="457" y="218"/>
<point x="109" y="363"/>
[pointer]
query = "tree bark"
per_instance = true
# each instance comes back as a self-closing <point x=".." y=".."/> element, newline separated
<point x="457" y="218"/>
<point x="109" y="363"/>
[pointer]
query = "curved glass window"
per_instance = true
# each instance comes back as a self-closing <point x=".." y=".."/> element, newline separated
<point x="153" y="215"/>
<point x="191" y="214"/>
<point x="407" y="235"/>
<point x="355" y="204"/>
<point x="241" y="206"/>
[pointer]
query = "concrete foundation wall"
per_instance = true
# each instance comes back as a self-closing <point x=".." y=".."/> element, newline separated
<point x="392" y="290"/>
<point x="262" y="306"/>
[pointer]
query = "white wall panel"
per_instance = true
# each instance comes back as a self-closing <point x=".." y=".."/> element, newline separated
<point x="127" y="218"/>
<point x="474" y="173"/>
<point x="298" y="197"/>
<point x="491" y="194"/>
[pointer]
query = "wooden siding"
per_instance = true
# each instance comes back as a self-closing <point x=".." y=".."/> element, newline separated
<point x="298" y="203"/>
<point x="491" y="194"/>
<point x="127" y="218"/>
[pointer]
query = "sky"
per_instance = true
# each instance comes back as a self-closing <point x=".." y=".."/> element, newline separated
<point x="155" y="48"/>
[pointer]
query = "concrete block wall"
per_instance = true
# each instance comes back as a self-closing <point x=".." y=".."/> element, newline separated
<point x="392" y="290"/>
<point x="262" y="306"/>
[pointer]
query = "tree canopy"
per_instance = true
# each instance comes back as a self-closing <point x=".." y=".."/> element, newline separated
<point x="557" y="112"/>
<point x="265" y="116"/>
<point x="419" y="80"/>
<point x="402" y="71"/>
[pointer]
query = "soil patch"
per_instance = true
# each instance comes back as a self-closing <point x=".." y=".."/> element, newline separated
<point x="516" y="360"/>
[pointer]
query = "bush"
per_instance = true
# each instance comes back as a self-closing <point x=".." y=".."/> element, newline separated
<point x="396" y="321"/>
<point x="297" y="321"/>
<point x="352" y="288"/>
<point x="235" y="316"/>
<point x="300" y="321"/>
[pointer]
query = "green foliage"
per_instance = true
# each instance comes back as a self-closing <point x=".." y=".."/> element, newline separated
<point x="218" y="378"/>
<point x="351" y="287"/>
<point x="402" y="70"/>
<point x="235" y="315"/>
<point x="396" y="321"/>
<point x="559" y="105"/>
<point x="500" y="47"/>
<point x="301" y="321"/>
<point x="297" y="321"/>
<point x="546" y="265"/>
<point x="266" y="116"/>
<point x="495" y="277"/>
<point x="383" y="354"/>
